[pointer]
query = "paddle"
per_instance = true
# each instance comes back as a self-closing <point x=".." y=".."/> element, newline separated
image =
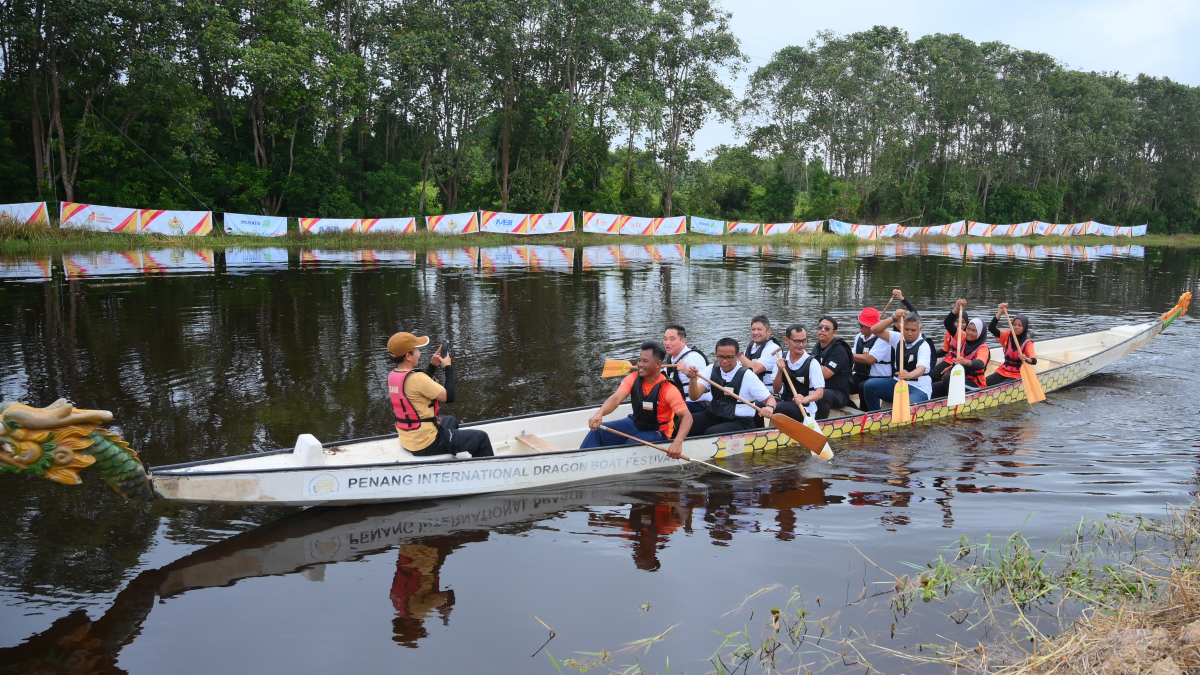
<point x="1033" y="388"/>
<point x="958" y="377"/>
<point x="813" y="440"/>
<point x="617" y="368"/>
<point x="826" y="452"/>
<point x="901" y="411"/>
<point x="710" y="467"/>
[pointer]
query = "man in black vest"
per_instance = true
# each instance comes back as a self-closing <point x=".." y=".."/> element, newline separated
<point x="656" y="405"/>
<point x="725" y="414"/>
<point x="836" y="363"/>
<point x="800" y="371"/>
<point x="872" y="354"/>
<point x="680" y="354"/>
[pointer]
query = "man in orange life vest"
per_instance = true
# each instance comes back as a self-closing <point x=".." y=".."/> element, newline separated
<point x="416" y="399"/>
<point x="656" y="402"/>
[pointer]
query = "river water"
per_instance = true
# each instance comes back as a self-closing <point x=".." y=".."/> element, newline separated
<point x="205" y="354"/>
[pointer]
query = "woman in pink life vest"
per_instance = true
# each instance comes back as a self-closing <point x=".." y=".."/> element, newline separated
<point x="416" y="399"/>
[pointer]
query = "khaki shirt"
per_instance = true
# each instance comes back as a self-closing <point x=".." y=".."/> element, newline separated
<point x="422" y="391"/>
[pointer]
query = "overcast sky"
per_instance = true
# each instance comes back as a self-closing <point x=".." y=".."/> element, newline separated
<point x="1156" y="37"/>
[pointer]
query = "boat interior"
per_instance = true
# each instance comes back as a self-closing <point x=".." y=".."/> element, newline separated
<point x="565" y="430"/>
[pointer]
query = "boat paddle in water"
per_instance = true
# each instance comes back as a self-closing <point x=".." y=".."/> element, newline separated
<point x="710" y="467"/>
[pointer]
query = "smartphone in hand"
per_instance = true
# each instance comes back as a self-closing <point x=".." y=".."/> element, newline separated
<point x="445" y="348"/>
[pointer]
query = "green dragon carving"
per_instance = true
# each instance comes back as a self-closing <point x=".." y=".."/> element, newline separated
<point x="59" y="441"/>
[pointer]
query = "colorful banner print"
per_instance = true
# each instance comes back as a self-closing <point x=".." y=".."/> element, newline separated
<point x="25" y="267"/>
<point x="669" y="227"/>
<point x="771" y="229"/>
<point x="555" y="258"/>
<point x="255" y="257"/>
<point x="910" y="232"/>
<point x="979" y="229"/>
<point x="33" y="214"/>
<point x="392" y="225"/>
<point x="454" y="223"/>
<point x="838" y="227"/>
<point x="196" y="223"/>
<point x="102" y="218"/>
<point x="1021" y="230"/>
<point x="744" y="228"/>
<point x="706" y="251"/>
<point x="552" y="223"/>
<point x="504" y="223"/>
<point x="597" y="257"/>
<point x="812" y="226"/>
<point x="935" y="230"/>
<point x="889" y="230"/>
<point x="956" y="229"/>
<point x="389" y="258"/>
<point x="322" y="225"/>
<point x="242" y="224"/>
<point x="453" y="258"/>
<point x="707" y="226"/>
<point x="636" y="225"/>
<point x="1076" y="229"/>
<point x="602" y="223"/>
<point x="502" y="258"/>
<point x="868" y="232"/>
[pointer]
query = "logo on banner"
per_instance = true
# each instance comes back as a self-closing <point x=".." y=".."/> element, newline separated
<point x="98" y="218"/>
<point x="175" y="225"/>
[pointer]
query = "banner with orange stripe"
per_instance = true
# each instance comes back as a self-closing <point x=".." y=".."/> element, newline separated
<point x="393" y="225"/>
<point x="454" y="223"/>
<point x="102" y="218"/>
<point x="31" y="214"/>
<point x="196" y="223"/>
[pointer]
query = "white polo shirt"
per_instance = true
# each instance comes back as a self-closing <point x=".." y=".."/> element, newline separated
<point x="770" y="354"/>
<point x="692" y="357"/>
<point x="816" y="378"/>
<point x="752" y="389"/>
<point x="882" y="351"/>
<point x="924" y="358"/>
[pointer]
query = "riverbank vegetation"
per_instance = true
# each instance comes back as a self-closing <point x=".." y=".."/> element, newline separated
<point x="306" y="109"/>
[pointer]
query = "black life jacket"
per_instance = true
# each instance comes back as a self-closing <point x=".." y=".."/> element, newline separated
<point x="645" y="406"/>
<point x="910" y="356"/>
<point x="754" y="354"/>
<point x="837" y="353"/>
<point x="724" y="406"/>
<point x="862" y="371"/>
<point x="674" y="378"/>
<point x="798" y="377"/>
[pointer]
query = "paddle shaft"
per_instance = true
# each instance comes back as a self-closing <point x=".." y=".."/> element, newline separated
<point x="729" y="391"/>
<point x="793" y="388"/>
<point x="714" y="467"/>
<point x="1015" y="337"/>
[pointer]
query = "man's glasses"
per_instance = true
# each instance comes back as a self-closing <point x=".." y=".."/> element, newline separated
<point x="727" y="358"/>
<point x="798" y="342"/>
<point x="824" y="328"/>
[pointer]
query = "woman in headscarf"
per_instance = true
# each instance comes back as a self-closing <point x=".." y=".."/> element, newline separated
<point x="947" y="354"/>
<point x="974" y="359"/>
<point x="1014" y="353"/>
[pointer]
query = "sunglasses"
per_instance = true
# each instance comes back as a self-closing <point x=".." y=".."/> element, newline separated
<point x="824" y="328"/>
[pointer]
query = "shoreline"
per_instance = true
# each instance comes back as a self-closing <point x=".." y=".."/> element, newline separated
<point x="85" y="240"/>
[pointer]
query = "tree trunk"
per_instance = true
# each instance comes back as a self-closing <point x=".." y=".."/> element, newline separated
<point x="35" y="113"/>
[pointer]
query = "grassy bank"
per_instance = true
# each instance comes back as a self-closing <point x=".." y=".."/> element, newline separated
<point x="16" y="240"/>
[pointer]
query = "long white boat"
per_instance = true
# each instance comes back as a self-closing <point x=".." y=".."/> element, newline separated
<point x="541" y="449"/>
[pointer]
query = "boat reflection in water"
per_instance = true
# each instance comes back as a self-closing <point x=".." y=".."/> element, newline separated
<point x="424" y="537"/>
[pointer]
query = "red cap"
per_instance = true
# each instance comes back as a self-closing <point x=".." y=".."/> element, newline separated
<point x="869" y="316"/>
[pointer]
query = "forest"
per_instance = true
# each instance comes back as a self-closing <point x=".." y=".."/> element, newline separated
<point x="373" y="108"/>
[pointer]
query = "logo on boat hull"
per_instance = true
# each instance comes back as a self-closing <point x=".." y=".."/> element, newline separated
<point x="323" y="484"/>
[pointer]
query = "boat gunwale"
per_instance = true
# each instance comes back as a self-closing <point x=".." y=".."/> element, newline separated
<point x="172" y="469"/>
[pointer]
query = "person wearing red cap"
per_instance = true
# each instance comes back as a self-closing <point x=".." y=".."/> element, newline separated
<point x="872" y="355"/>
<point x="416" y="399"/>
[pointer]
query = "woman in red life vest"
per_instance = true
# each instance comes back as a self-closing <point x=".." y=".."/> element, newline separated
<point x="974" y="359"/>
<point x="416" y="399"/>
<point x="947" y="354"/>
<point x="1013" y="354"/>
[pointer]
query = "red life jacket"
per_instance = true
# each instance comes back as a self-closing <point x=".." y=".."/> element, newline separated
<point x="950" y="346"/>
<point x="978" y="378"/>
<point x="1012" y="358"/>
<point x="407" y="418"/>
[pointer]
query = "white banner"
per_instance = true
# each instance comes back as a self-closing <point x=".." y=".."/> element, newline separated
<point x="1076" y="229"/>
<point x="453" y="258"/>
<point x="394" y="225"/>
<point x="1059" y="230"/>
<point x="744" y="228"/>
<point x="92" y="217"/>
<point x="503" y="257"/>
<point x="454" y="223"/>
<point x="770" y="229"/>
<point x="636" y="225"/>
<point x="888" y="230"/>
<point x="979" y="229"/>
<point x="838" y="227"/>
<point x="29" y="213"/>
<point x="504" y="223"/>
<point x="809" y="226"/>
<point x="175" y="222"/>
<point x="668" y="227"/>
<point x="552" y="223"/>
<point x="1137" y="231"/>
<point x="707" y="226"/>
<point x="320" y="225"/>
<point x="554" y="258"/>
<point x="262" y="226"/>
<point x="910" y="232"/>
<point x="602" y="223"/>
<point x="956" y="229"/>
<point x="1021" y="230"/>
<point x="934" y="230"/>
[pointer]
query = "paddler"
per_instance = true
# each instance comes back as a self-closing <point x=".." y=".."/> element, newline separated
<point x="836" y="362"/>
<point x="1013" y="355"/>
<point x="918" y="355"/>
<point x="763" y="352"/>
<point x="416" y="398"/>
<point x="805" y="374"/>
<point x="656" y="404"/>
<point x="947" y="355"/>
<point x="974" y="359"/>
<point x="679" y="353"/>
<point x="725" y="414"/>
<point x="872" y="354"/>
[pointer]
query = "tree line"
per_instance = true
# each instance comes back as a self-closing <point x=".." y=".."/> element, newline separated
<point x="373" y="108"/>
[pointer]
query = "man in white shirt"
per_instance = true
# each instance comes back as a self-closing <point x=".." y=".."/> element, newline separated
<point x="804" y="372"/>
<point x="872" y="353"/>
<point x="725" y="414"/>
<point x="918" y="357"/>
<point x="678" y="352"/>
<point x="763" y="350"/>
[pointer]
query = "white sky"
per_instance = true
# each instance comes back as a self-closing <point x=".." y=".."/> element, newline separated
<point x="1156" y="37"/>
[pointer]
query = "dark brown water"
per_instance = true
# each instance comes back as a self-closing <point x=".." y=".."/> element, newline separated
<point x="209" y="354"/>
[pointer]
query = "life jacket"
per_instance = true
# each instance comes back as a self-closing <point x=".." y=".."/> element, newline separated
<point x="1012" y="358"/>
<point x="950" y="346"/>
<point x="754" y="354"/>
<point x="724" y="406"/>
<point x="674" y="376"/>
<point x="910" y="355"/>
<point x="407" y="417"/>
<point x="837" y="353"/>
<point x="645" y="406"/>
<point x="798" y="376"/>
<point x="862" y="371"/>
<point x="978" y="378"/>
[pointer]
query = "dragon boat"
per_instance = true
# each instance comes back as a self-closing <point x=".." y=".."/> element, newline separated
<point x="532" y="451"/>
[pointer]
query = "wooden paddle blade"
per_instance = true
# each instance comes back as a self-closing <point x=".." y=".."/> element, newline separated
<point x="901" y="411"/>
<point x="613" y="368"/>
<point x="958" y="386"/>
<point x="815" y="441"/>
<point x="1033" y="388"/>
